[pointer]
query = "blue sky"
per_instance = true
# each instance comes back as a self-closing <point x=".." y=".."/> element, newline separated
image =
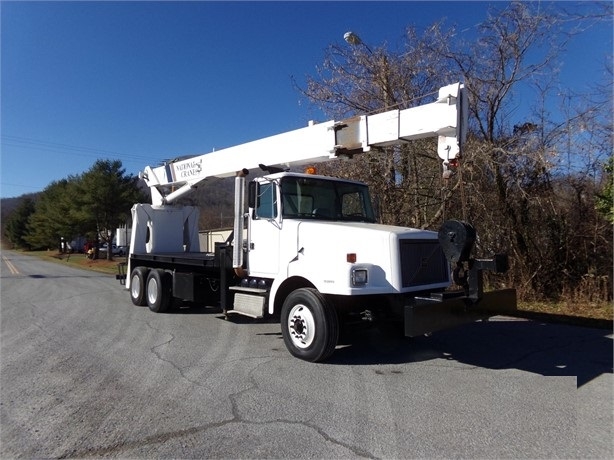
<point x="145" y="81"/>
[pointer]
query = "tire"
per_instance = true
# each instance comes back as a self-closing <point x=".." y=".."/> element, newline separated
<point x="138" y="278"/>
<point x="158" y="292"/>
<point x="309" y="325"/>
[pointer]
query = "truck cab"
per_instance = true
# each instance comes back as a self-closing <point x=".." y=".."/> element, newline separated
<point x="323" y="231"/>
<point x="282" y="203"/>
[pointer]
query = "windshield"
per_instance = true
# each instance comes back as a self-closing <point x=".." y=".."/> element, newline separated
<point x="322" y="199"/>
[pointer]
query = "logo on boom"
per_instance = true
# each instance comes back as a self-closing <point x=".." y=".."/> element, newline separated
<point x="188" y="169"/>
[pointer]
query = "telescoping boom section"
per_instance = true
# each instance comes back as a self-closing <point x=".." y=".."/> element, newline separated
<point x="308" y="249"/>
<point x="445" y="118"/>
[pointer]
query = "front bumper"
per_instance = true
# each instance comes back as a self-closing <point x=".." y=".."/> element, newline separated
<point x="446" y="310"/>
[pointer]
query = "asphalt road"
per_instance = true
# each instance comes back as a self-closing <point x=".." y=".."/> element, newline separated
<point x="84" y="373"/>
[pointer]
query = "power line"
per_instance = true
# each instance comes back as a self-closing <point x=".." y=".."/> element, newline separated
<point x="37" y="144"/>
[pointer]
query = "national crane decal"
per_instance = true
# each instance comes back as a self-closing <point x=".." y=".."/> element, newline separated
<point x="182" y="171"/>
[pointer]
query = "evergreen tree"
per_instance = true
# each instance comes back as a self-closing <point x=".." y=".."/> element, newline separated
<point x="93" y="205"/>
<point x="16" y="224"/>
<point x="52" y="217"/>
<point x="105" y="195"/>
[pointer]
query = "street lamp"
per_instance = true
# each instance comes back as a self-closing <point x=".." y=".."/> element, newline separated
<point x="381" y="79"/>
<point x="354" y="39"/>
<point x="382" y="76"/>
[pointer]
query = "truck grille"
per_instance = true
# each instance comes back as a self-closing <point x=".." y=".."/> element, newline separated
<point x="422" y="263"/>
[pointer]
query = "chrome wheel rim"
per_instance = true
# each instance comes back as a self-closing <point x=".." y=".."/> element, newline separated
<point x="152" y="291"/>
<point x="302" y="326"/>
<point x="135" y="287"/>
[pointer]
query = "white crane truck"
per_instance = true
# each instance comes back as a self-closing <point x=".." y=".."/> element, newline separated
<point x="308" y="249"/>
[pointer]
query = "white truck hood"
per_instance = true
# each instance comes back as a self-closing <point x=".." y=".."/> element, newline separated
<point x="327" y="252"/>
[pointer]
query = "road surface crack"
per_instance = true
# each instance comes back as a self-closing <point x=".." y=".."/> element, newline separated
<point x="254" y="386"/>
<point x="121" y="447"/>
<point x="155" y="350"/>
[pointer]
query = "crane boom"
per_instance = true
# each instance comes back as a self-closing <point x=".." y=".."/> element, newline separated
<point x="445" y="118"/>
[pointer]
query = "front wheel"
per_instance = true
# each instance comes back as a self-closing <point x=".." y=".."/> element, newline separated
<point x="309" y="325"/>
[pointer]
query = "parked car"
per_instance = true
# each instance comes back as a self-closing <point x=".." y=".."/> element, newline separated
<point x="116" y="250"/>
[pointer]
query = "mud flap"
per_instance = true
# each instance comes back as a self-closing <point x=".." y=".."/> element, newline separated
<point x="432" y="314"/>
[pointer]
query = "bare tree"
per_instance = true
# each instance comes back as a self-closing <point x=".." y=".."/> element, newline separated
<point x="528" y="180"/>
<point x="358" y="79"/>
<point x="530" y="170"/>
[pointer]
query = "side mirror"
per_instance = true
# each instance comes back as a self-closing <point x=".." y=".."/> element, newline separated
<point x="252" y="193"/>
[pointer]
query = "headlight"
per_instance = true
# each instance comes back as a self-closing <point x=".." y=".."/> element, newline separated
<point x="359" y="276"/>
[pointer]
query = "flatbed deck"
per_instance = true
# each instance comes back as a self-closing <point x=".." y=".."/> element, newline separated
<point x="193" y="259"/>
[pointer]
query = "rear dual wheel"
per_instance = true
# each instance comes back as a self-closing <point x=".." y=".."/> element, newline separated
<point x="309" y="325"/>
<point x="159" y="290"/>
<point x="138" y="280"/>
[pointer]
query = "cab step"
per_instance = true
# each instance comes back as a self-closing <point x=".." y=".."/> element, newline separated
<point x="248" y="301"/>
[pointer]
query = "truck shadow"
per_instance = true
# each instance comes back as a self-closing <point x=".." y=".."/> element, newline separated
<point x="189" y="309"/>
<point x="541" y="348"/>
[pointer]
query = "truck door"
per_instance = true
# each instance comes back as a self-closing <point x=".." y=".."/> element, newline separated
<point x="264" y="230"/>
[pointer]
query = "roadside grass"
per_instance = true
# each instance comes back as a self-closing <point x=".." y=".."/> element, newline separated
<point x="583" y="313"/>
<point x="597" y="310"/>
<point x="590" y="314"/>
<point x="80" y="261"/>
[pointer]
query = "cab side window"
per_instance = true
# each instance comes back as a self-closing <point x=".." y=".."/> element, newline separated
<point x="266" y="201"/>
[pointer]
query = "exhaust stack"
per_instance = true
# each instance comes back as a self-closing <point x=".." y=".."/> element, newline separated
<point x="237" y="250"/>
